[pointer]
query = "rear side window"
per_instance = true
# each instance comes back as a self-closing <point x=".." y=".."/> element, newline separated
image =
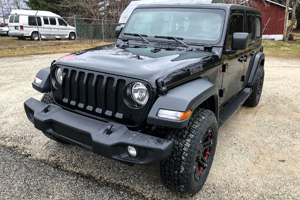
<point x="235" y="25"/>
<point x="52" y="21"/>
<point x="250" y="27"/>
<point x="61" y="22"/>
<point x="46" y="20"/>
<point x="32" y="21"/>
<point x="11" y="18"/>
<point x="258" y="28"/>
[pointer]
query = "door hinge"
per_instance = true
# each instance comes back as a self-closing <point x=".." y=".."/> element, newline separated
<point x="224" y="67"/>
<point x="243" y="78"/>
<point x="222" y="92"/>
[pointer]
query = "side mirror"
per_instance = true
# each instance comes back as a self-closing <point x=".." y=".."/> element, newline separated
<point x="118" y="31"/>
<point x="240" y="41"/>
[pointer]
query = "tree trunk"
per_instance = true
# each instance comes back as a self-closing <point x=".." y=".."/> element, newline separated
<point x="290" y="28"/>
<point x="298" y="24"/>
<point x="285" y="37"/>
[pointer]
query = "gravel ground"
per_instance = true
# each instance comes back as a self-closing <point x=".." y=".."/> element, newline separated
<point x="23" y="178"/>
<point x="258" y="148"/>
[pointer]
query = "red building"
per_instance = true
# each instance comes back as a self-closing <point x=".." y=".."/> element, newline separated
<point x="272" y="18"/>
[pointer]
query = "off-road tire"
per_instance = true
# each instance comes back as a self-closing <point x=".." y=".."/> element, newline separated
<point x="72" y="36"/>
<point x="48" y="98"/>
<point x="179" y="171"/>
<point x="258" y="84"/>
<point x="35" y="36"/>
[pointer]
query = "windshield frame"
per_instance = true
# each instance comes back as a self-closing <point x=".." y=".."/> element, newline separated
<point x="196" y="42"/>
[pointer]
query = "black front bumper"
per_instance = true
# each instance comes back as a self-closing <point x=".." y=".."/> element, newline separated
<point x="96" y="135"/>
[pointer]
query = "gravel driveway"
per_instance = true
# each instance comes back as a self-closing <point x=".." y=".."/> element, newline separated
<point x="258" y="152"/>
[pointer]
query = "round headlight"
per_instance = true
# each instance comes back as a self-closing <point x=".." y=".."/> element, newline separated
<point x="139" y="93"/>
<point x="59" y="75"/>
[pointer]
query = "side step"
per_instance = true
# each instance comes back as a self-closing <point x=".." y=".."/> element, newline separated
<point x="231" y="107"/>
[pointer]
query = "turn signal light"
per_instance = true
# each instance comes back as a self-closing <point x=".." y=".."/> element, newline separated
<point x="174" y="115"/>
<point x="185" y="115"/>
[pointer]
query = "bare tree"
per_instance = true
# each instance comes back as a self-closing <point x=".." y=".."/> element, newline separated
<point x="288" y="29"/>
<point x="109" y="9"/>
<point x="7" y="6"/>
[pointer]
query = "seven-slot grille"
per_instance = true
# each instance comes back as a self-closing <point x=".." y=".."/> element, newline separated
<point x="99" y="94"/>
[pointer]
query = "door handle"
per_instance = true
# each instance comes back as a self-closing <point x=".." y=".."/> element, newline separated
<point x="242" y="59"/>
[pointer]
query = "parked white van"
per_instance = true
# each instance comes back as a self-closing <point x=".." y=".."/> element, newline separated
<point x="32" y="24"/>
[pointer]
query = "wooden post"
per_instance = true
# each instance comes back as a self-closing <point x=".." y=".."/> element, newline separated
<point x="286" y="20"/>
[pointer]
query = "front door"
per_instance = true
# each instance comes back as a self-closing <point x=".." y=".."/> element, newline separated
<point x="63" y="28"/>
<point x="233" y="67"/>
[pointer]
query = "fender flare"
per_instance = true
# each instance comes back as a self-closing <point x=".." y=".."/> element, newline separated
<point x="183" y="98"/>
<point x="72" y="31"/>
<point x="255" y="63"/>
<point x="44" y="75"/>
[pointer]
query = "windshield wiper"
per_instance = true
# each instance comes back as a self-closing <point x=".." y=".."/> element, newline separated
<point x="138" y="35"/>
<point x="177" y="39"/>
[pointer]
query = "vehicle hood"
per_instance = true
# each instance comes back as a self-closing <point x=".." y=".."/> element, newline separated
<point x="164" y="66"/>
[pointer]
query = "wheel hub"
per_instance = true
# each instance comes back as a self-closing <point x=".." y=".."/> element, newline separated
<point x="204" y="150"/>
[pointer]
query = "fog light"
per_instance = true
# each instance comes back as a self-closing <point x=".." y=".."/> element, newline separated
<point x="132" y="151"/>
<point x="37" y="80"/>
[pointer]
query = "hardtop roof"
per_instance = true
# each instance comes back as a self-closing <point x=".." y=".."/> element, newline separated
<point x="208" y="6"/>
<point x="34" y="12"/>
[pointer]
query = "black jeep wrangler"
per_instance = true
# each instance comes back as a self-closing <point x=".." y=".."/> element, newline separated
<point x="175" y="75"/>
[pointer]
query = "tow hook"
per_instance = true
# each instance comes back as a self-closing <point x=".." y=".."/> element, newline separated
<point x="109" y="130"/>
<point x="47" y="109"/>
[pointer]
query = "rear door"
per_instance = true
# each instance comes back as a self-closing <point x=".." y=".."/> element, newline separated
<point x="14" y="22"/>
<point x="63" y="27"/>
<point x="253" y="27"/>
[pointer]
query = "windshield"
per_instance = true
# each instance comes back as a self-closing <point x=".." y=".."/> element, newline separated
<point x="193" y="25"/>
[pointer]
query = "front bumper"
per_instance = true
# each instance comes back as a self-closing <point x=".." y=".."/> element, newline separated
<point x="95" y="135"/>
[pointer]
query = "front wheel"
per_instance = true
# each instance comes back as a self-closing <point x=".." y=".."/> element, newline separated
<point x="186" y="169"/>
<point x="72" y="36"/>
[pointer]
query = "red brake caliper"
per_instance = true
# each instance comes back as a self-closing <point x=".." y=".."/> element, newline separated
<point x="207" y="153"/>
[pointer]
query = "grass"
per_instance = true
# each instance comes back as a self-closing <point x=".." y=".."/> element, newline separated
<point x="282" y="49"/>
<point x="13" y="47"/>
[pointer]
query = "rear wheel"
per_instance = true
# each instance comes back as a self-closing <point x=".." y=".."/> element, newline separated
<point x="48" y="99"/>
<point x="186" y="169"/>
<point x="34" y="36"/>
<point x="254" y="98"/>
<point x="72" y="36"/>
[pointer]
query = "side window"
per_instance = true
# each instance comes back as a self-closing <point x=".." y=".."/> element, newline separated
<point x="52" y="21"/>
<point x="61" y="22"/>
<point x="235" y="25"/>
<point x="46" y="21"/>
<point x="258" y="28"/>
<point x="32" y="21"/>
<point x="250" y="27"/>
<point x="17" y="17"/>
<point x="11" y="18"/>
